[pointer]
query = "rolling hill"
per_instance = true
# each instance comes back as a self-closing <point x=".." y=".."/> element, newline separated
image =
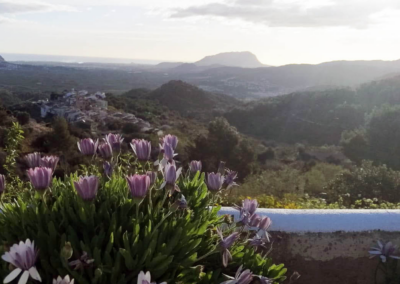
<point x="314" y="117"/>
<point x="191" y="101"/>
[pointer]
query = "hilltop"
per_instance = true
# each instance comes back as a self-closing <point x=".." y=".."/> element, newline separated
<point x="191" y="101"/>
<point x="244" y="59"/>
<point x="3" y="63"/>
<point x="178" y="97"/>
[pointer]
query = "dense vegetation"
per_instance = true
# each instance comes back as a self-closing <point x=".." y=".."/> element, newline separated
<point x="177" y="96"/>
<point x="316" y="118"/>
<point x="123" y="214"/>
<point x="283" y="158"/>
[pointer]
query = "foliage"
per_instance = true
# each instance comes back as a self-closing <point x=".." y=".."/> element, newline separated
<point x="135" y="102"/>
<point x="355" y="145"/>
<point x="314" y="117"/>
<point x="368" y="181"/>
<point x="23" y="117"/>
<point x="290" y="180"/>
<point x="60" y="139"/>
<point x="224" y="143"/>
<point x="124" y="236"/>
<point x="319" y="117"/>
<point x="383" y="132"/>
<point x="294" y="201"/>
<point x="14" y="136"/>
<point x="129" y="128"/>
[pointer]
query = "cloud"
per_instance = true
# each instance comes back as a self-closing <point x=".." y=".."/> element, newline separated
<point x="16" y="7"/>
<point x="279" y="13"/>
<point x="5" y="20"/>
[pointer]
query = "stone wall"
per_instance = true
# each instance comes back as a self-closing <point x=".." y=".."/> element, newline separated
<point x="329" y="246"/>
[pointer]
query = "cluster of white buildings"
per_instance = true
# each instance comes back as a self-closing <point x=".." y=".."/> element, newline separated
<point x="90" y="108"/>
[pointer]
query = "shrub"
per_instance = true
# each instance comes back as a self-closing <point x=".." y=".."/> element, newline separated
<point x="60" y="138"/>
<point x="113" y="124"/>
<point x="276" y="183"/>
<point x="355" y="145"/>
<point x="367" y="181"/>
<point x="129" y="128"/>
<point x="383" y="132"/>
<point x="104" y="230"/>
<point x="223" y="142"/>
<point x="23" y="117"/>
<point x="319" y="176"/>
<point x="268" y="154"/>
<point x="289" y="180"/>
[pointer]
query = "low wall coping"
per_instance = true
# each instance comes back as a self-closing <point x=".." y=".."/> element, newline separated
<point x="327" y="220"/>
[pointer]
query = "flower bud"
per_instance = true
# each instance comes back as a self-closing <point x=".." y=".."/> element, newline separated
<point x="67" y="251"/>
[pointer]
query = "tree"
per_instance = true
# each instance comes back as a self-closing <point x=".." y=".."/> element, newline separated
<point x="224" y="143"/>
<point x="355" y="145"/>
<point x="383" y="132"/>
<point x="60" y="138"/>
<point x="23" y="117"/>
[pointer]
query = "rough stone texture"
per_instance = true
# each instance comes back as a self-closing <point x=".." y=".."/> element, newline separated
<point x="329" y="258"/>
<point x="329" y="246"/>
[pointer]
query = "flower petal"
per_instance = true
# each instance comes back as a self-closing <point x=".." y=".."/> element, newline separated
<point x="35" y="274"/>
<point x="24" y="277"/>
<point x="10" y="277"/>
<point x="141" y="277"/>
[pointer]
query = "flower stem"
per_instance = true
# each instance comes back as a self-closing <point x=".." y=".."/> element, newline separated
<point x="207" y="255"/>
<point x="137" y="211"/>
<point x="159" y="224"/>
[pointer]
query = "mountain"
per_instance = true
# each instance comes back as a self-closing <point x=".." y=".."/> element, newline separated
<point x="191" y="101"/>
<point x="273" y="81"/>
<point x="167" y="65"/>
<point x="2" y="59"/>
<point x="244" y="59"/>
<point x="314" y="117"/>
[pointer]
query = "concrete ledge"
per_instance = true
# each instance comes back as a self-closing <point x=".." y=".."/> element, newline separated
<point x="325" y="221"/>
<point x="329" y="246"/>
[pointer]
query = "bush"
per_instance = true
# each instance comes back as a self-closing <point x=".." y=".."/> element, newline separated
<point x="60" y="138"/>
<point x="114" y="236"/>
<point x="355" y="145"/>
<point x="268" y="154"/>
<point x="23" y="117"/>
<point x="224" y="143"/>
<point x="383" y="132"/>
<point x="290" y="180"/>
<point x="319" y="176"/>
<point x="367" y="181"/>
<point x="276" y="183"/>
<point x="129" y="128"/>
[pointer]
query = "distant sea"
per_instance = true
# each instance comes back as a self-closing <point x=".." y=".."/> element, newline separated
<point x="72" y="59"/>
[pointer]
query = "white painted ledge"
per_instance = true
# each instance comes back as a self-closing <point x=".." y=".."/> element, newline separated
<point x="325" y="221"/>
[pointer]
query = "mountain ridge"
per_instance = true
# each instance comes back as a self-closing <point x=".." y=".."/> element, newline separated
<point x="244" y="59"/>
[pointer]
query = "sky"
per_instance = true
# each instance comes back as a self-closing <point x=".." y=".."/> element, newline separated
<point x="278" y="32"/>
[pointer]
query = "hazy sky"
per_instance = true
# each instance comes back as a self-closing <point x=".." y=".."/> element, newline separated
<point x="278" y="32"/>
